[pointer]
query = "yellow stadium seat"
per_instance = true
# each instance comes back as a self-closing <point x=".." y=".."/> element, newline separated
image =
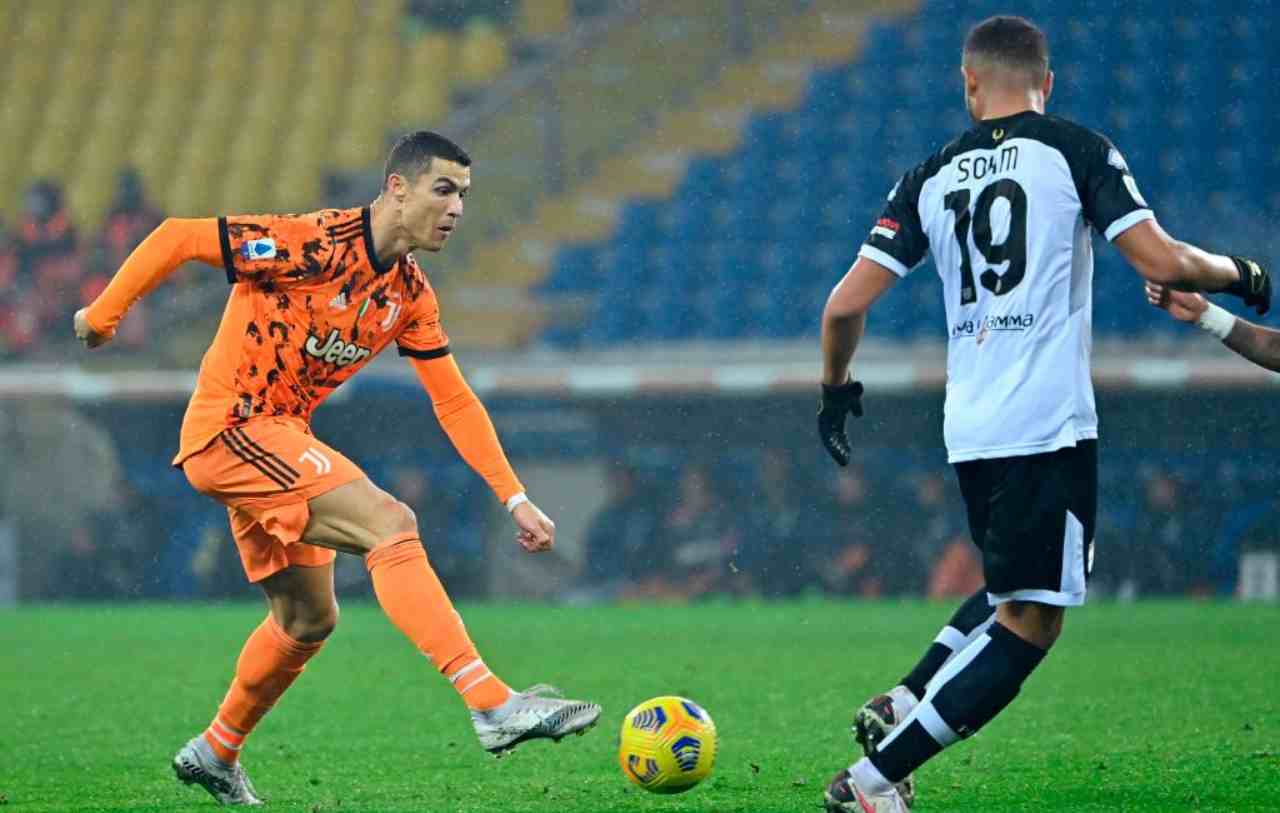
<point x="248" y="176"/>
<point x="385" y="15"/>
<point x="89" y="29"/>
<point x="137" y="25"/>
<point x="424" y="90"/>
<point x="42" y="26"/>
<point x="361" y="140"/>
<point x="189" y="26"/>
<point x="542" y="19"/>
<point x="337" y="22"/>
<point x="10" y="21"/>
<point x="89" y="196"/>
<point x="483" y="53"/>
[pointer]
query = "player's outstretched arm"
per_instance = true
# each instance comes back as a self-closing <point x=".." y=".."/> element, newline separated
<point x="1162" y="260"/>
<point x="174" y="242"/>
<point x="844" y="319"/>
<point x="466" y="422"/>
<point x="1256" y="343"/>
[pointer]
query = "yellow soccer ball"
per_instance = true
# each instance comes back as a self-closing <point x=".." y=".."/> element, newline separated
<point x="667" y="744"/>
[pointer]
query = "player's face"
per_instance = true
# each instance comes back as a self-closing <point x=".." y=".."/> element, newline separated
<point x="432" y="206"/>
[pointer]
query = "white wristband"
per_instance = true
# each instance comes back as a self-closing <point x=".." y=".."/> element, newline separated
<point x="516" y="500"/>
<point x="1217" y="321"/>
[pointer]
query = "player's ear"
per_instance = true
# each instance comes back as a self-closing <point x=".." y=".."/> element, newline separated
<point x="397" y="187"/>
<point x="1048" y="85"/>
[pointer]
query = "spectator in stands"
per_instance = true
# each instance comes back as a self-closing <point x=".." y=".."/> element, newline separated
<point x="45" y="231"/>
<point x="770" y="550"/>
<point x="114" y="554"/>
<point x="699" y="536"/>
<point x="622" y="539"/>
<point x="48" y="268"/>
<point x="623" y="549"/>
<point x="12" y="336"/>
<point x="927" y="531"/>
<point x="214" y="558"/>
<point x="70" y="471"/>
<point x="130" y="219"/>
<point x="1251" y="542"/>
<point x="438" y="511"/>
<point x="1154" y="562"/>
<point x="850" y="551"/>
<point x="957" y="572"/>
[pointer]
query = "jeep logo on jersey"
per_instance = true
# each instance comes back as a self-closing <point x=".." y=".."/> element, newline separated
<point x="335" y="351"/>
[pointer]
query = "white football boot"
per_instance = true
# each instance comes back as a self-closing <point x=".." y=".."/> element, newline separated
<point x="536" y="713"/>
<point x="844" y="796"/>
<point x="196" y="764"/>
<point x="879" y="716"/>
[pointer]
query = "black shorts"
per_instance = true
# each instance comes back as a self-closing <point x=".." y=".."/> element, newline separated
<point x="1033" y="518"/>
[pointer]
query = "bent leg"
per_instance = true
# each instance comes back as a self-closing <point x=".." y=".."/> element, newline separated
<point x="303" y="611"/>
<point x="967" y="693"/>
<point x="1037" y="624"/>
<point x="302" y="602"/>
<point x="969" y="621"/>
<point x="361" y="518"/>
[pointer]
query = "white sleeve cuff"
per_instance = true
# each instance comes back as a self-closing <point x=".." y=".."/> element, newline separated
<point x="1122" y="224"/>
<point x="516" y="500"/>
<point x="884" y="258"/>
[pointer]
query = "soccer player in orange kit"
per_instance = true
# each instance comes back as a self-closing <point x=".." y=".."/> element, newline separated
<point x="313" y="298"/>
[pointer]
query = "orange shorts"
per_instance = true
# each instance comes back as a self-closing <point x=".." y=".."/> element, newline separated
<point x="264" y="471"/>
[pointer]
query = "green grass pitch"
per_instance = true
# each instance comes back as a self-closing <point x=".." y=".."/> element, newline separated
<point x="1149" y="707"/>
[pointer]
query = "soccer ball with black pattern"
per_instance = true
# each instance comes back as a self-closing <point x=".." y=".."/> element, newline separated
<point x="667" y="744"/>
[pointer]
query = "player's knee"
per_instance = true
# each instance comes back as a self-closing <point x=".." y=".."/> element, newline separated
<point x="1039" y="624"/>
<point x="313" y="626"/>
<point x="405" y="520"/>
<point x="391" y="519"/>
<point x="395" y="518"/>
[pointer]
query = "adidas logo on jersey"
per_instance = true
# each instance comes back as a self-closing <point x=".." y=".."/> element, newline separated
<point x="335" y="351"/>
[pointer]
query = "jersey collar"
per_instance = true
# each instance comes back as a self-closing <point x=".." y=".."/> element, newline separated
<point x="1007" y="119"/>
<point x="367" y="228"/>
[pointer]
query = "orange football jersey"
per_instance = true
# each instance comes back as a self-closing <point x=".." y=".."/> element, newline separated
<point x="310" y="305"/>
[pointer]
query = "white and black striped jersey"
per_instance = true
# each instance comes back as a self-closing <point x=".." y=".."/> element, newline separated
<point x="1006" y="210"/>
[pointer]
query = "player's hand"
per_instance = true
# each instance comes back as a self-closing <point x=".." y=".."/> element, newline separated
<point x="536" y="532"/>
<point x="87" y="334"/>
<point x="837" y="402"/>
<point x="1254" y="285"/>
<point x="1181" y="305"/>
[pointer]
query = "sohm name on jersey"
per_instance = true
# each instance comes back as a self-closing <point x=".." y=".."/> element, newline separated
<point x="980" y="166"/>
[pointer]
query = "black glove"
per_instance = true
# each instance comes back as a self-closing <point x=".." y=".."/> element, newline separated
<point x="836" y="402"/>
<point x="1254" y="285"/>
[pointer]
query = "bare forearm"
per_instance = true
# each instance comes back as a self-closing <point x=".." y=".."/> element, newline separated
<point x="1258" y="344"/>
<point x="1199" y="270"/>
<point x="840" y="336"/>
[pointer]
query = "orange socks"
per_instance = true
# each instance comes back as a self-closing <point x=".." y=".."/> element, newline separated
<point x="269" y="663"/>
<point x="413" y="598"/>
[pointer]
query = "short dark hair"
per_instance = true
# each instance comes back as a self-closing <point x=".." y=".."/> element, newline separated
<point x="411" y="155"/>
<point x="1014" y="43"/>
